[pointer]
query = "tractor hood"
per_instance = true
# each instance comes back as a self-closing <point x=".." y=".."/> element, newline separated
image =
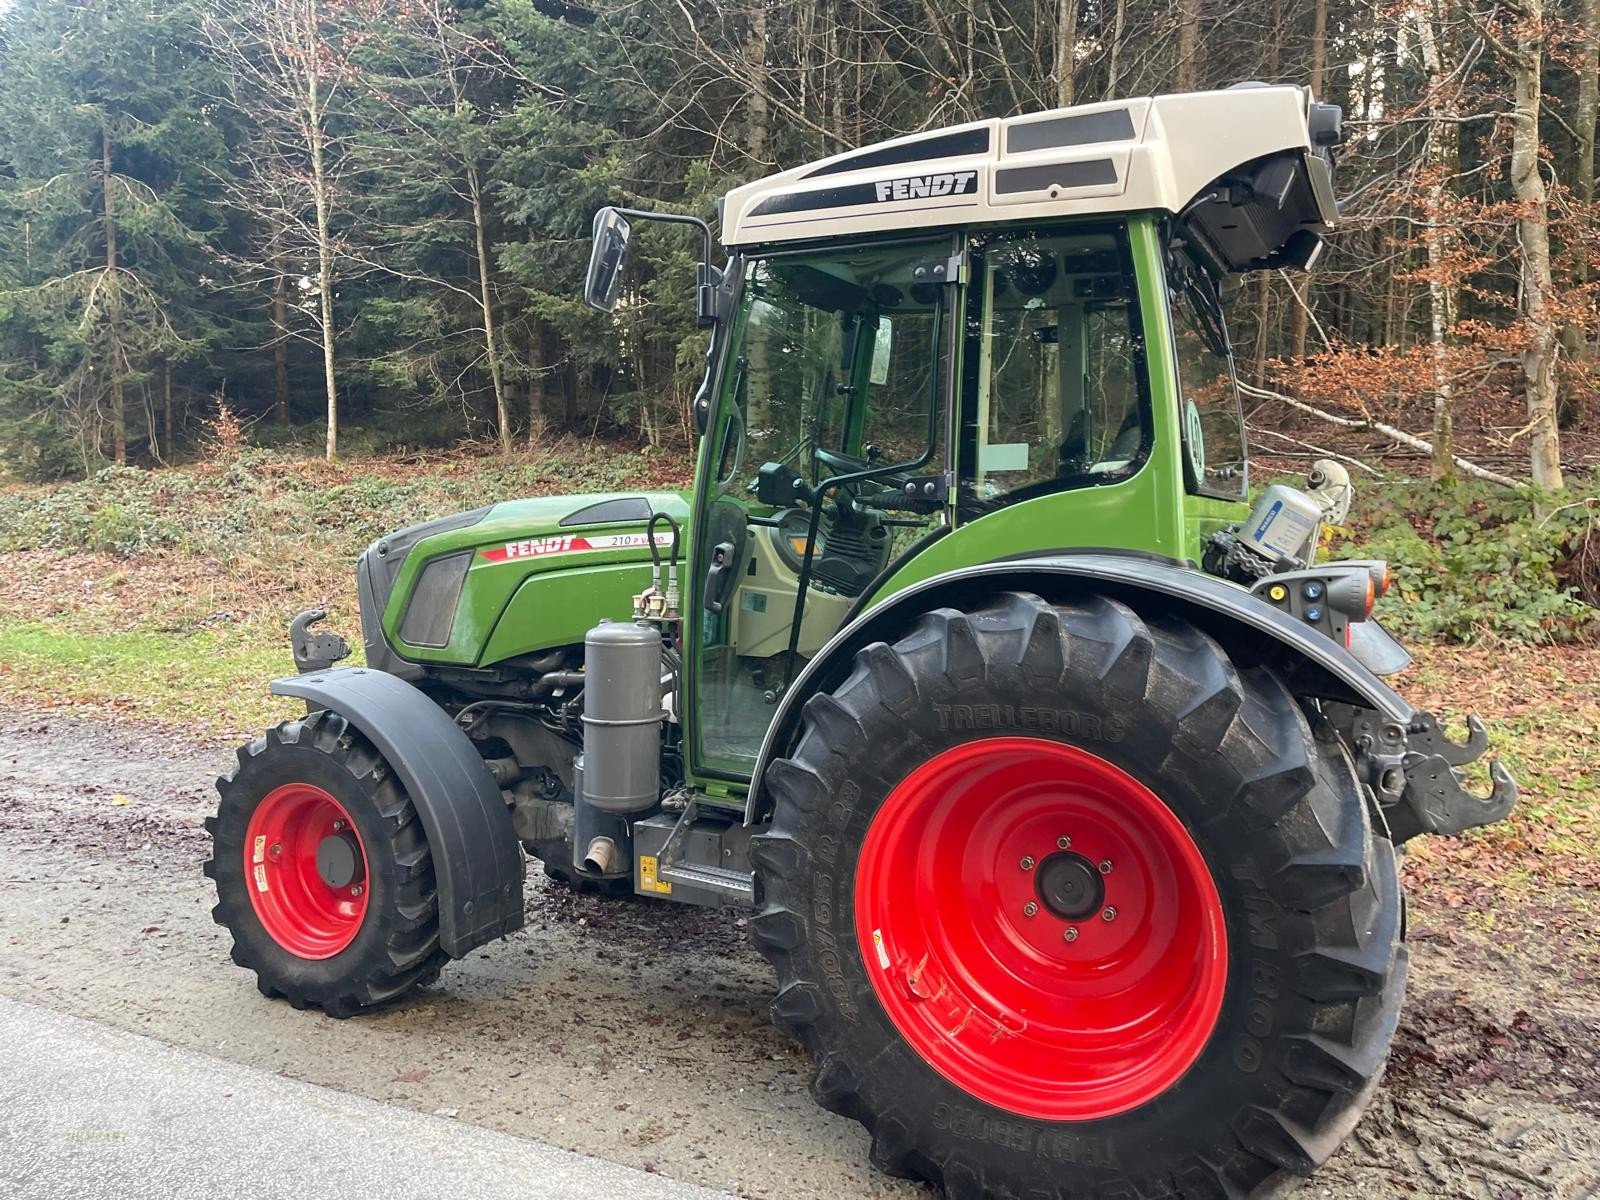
<point x="483" y="586"/>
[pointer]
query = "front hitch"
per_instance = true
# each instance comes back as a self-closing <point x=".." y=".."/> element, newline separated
<point x="1435" y="801"/>
<point x="1412" y="770"/>
<point x="315" y="651"/>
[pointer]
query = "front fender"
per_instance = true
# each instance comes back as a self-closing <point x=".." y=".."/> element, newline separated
<point x="477" y="859"/>
<point x="1247" y="627"/>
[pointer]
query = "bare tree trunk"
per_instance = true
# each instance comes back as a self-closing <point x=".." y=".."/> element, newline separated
<point x="1575" y="334"/>
<point x="1263" y="315"/>
<point x="536" y="367"/>
<point x="491" y="345"/>
<point x="1188" y="72"/>
<point x="1066" y="44"/>
<point x="325" y="256"/>
<point x="1113" y="78"/>
<point x="1442" y="155"/>
<point x="1319" y="46"/>
<point x="1391" y="310"/>
<point x="280" y="338"/>
<point x="760" y="114"/>
<point x="1264" y="279"/>
<point x="1301" y="314"/>
<point x="113" y="364"/>
<point x="835" y="75"/>
<point x="166" y="411"/>
<point x="1533" y="243"/>
<point x="1588" y="110"/>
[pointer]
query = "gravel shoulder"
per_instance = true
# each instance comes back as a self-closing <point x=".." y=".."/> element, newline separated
<point x="638" y="1032"/>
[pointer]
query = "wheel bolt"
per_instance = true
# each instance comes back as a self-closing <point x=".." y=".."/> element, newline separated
<point x="1064" y="843"/>
<point x="1105" y="866"/>
<point x="356" y="891"/>
<point x="1030" y="909"/>
<point x="275" y="851"/>
<point x="337" y="826"/>
<point x="1110" y="914"/>
<point x="1027" y="862"/>
<point x="1071" y="934"/>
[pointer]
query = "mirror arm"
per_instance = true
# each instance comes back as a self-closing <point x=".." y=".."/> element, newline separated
<point x="707" y="277"/>
<point x="676" y="219"/>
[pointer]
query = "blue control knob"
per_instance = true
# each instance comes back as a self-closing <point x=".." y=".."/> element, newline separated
<point x="1313" y="592"/>
<point x="1313" y="614"/>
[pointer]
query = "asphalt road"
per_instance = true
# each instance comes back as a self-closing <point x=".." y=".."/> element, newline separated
<point x="89" y="1112"/>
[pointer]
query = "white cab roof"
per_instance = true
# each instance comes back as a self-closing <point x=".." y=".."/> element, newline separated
<point x="1155" y="153"/>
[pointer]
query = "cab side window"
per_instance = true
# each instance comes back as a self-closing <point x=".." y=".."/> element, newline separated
<point x="1054" y="394"/>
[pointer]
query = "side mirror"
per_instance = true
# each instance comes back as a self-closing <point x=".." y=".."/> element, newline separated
<point x="607" y="259"/>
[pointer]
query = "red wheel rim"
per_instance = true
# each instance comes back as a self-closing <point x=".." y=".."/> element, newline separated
<point x="1100" y="999"/>
<point x="312" y="910"/>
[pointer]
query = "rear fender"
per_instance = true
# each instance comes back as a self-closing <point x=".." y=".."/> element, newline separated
<point x="1250" y="629"/>
<point x="477" y="859"/>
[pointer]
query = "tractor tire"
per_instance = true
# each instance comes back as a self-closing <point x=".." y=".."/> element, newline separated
<point x="323" y="872"/>
<point x="1064" y="904"/>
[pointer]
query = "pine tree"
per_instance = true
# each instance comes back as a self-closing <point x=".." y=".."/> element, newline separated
<point x="101" y="128"/>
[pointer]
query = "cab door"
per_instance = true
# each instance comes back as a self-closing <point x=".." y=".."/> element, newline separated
<point x="830" y="418"/>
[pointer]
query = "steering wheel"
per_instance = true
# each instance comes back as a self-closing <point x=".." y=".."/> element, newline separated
<point x="880" y="491"/>
<point x="841" y="464"/>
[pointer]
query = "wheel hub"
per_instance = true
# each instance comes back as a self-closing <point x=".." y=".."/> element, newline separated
<point x="1069" y="885"/>
<point x="338" y="858"/>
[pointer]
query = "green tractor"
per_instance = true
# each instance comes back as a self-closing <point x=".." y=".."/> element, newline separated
<point x="1062" y="782"/>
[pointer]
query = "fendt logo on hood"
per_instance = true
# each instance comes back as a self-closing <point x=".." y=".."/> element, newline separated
<point x="925" y="187"/>
<point x="568" y="544"/>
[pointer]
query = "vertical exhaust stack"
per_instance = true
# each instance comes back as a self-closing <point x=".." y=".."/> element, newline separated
<point x="619" y="774"/>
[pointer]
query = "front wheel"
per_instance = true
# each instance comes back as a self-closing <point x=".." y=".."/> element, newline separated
<point x="323" y="872"/>
<point x="1064" y="904"/>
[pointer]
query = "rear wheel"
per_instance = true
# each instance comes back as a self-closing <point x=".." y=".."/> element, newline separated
<point x="323" y="872"/>
<point x="1063" y="904"/>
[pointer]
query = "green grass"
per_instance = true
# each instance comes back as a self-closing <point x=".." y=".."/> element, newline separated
<point x="166" y="595"/>
<point x="215" y="681"/>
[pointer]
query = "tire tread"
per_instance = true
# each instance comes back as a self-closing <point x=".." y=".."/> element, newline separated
<point x="1335" y="877"/>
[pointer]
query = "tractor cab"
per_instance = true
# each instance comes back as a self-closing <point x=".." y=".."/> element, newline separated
<point x="989" y="340"/>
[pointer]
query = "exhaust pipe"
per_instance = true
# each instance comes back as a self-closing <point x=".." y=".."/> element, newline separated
<point x="601" y="856"/>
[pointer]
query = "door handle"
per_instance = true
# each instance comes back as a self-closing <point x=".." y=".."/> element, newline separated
<point x="719" y="577"/>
